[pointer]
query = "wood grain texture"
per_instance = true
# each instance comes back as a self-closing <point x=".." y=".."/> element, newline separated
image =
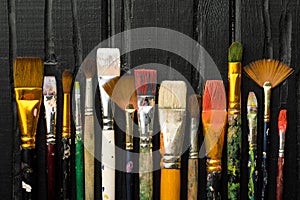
<point x="170" y="184"/>
<point x="192" y="185"/>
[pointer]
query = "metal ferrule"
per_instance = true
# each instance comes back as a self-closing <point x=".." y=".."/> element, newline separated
<point x="146" y="106"/>
<point x="50" y="115"/>
<point x="88" y="109"/>
<point x="281" y="143"/>
<point x="78" y="114"/>
<point x="129" y="128"/>
<point x="252" y="123"/>
<point x="213" y="165"/>
<point x="106" y="103"/>
<point x="267" y="93"/>
<point x="66" y="125"/>
<point x="172" y="123"/>
<point x="28" y="102"/>
<point x="234" y="80"/>
<point x="194" y="153"/>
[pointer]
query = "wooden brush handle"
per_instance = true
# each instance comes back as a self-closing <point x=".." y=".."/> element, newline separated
<point x="279" y="179"/>
<point x="252" y="174"/>
<point x="66" y="153"/>
<point x="264" y="160"/>
<point x="28" y="173"/>
<point x="129" y="176"/>
<point x="213" y="186"/>
<point x="51" y="171"/>
<point x="234" y="139"/>
<point x="192" y="179"/>
<point x="79" y="169"/>
<point x="146" y="175"/>
<point x="170" y="184"/>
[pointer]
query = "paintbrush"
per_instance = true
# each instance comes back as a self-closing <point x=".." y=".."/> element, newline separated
<point x="145" y="83"/>
<point x="67" y="78"/>
<point x="282" y="124"/>
<point x="172" y="114"/>
<point x="78" y="145"/>
<point x="50" y="97"/>
<point x="89" y="70"/>
<point x="267" y="74"/>
<point x="234" y="135"/>
<point x="194" y="111"/>
<point x="122" y="92"/>
<point x="214" y="117"/>
<point x="252" y="140"/>
<point x="108" y="67"/>
<point x="28" y="80"/>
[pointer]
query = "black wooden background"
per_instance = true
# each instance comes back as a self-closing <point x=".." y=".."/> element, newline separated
<point x="78" y="26"/>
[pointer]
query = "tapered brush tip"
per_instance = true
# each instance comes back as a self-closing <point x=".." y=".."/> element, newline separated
<point x="145" y="81"/>
<point x="89" y="67"/>
<point x="252" y="101"/>
<point x="28" y="72"/>
<point x="235" y="52"/>
<point x="194" y="105"/>
<point x="108" y="62"/>
<point x="214" y="97"/>
<point x="67" y="78"/>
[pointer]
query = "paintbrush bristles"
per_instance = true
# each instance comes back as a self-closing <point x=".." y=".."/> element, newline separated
<point x="89" y="68"/>
<point x="28" y="72"/>
<point x="145" y="81"/>
<point x="67" y="78"/>
<point x="214" y="97"/>
<point x="235" y="52"/>
<point x="108" y="62"/>
<point x="194" y="105"/>
<point x="172" y="95"/>
<point x="272" y="71"/>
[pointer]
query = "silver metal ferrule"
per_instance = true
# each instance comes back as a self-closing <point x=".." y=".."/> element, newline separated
<point x="146" y="108"/>
<point x="281" y="143"/>
<point x="194" y="153"/>
<point x="172" y="123"/>
<point x="50" y="114"/>
<point x="106" y="103"/>
<point x="78" y="122"/>
<point x="129" y="128"/>
<point x="89" y="101"/>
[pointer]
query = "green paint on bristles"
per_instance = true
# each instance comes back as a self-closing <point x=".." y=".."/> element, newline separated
<point x="235" y="52"/>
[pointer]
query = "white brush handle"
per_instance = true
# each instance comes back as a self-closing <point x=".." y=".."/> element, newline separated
<point x="108" y="164"/>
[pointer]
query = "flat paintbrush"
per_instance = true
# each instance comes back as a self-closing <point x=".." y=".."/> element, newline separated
<point x="108" y="67"/>
<point x="267" y="74"/>
<point x="28" y="81"/>
<point x="67" y="79"/>
<point x="122" y="92"/>
<point x="214" y="117"/>
<point x="234" y="135"/>
<point x="145" y="83"/>
<point x="172" y="113"/>
<point x="194" y="111"/>
<point x="50" y="97"/>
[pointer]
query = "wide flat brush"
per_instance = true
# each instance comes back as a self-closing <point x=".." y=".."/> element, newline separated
<point x="89" y="69"/>
<point x="194" y="111"/>
<point x="50" y="97"/>
<point x="234" y="135"/>
<point x="267" y="74"/>
<point x="252" y="140"/>
<point x="122" y="92"/>
<point x="108" y="67"/>
<point x="28" y="81"/>
<point x="214" y="118"/>
<point x="67" y="79"/>
<point x="172" y="113"/>
<point x="145" y="83"/>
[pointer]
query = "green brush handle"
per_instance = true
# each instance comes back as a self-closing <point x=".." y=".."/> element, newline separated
<point x="79" y="168"/>
<point x="234" y="139"/>
<point x="145" y="168"/>
<point x="252" y="173"/>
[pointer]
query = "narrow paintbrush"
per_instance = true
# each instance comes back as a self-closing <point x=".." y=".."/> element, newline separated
<point x="214" y="122"/>
<point x="108" y="67"/>
<point x="145" y="82"/>
<point x="122" y="92"/>
<point x="89" y="70"/>
<point x="78" y="145"/>
<point x="267" y="74"/>
<point x="234" y="135"/>
<point x="252" y="140"/>
<point x="67" y="78"/>
<point x="194" y="111"/>
<point x="50" y="96"/>
<point x="28" y="81"/>
<point x="282" y="124"/>
<point x="172" y="113"/>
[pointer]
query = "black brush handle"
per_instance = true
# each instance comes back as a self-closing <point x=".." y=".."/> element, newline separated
<point x="213" y="185"/>
<point x="66" y="153"/>
<point x="129" y="176"/>
<point x="28" y="173"/>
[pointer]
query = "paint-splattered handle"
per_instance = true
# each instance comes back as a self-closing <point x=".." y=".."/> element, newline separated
<point x="192" y="179"/>
<point x="234" y="139"/>
<point x="79" y="168"/>
<point x="170" y="184"/>
<point x="213" y="185"/>
<point x="27" y="165"/>
<point x="129" y="176"/>
<point x="66" y="153"/>
<point x="51" y="171"/>
<point x="252" y="174"/>
<point x="264" y="160"/>
<point x="279" y="179"/>
<point x="145" y="169"/>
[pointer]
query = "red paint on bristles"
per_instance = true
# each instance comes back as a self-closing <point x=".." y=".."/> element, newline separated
<point x="145" y="81"/>
<point x="214" y="97"/>
<point x="282" y="120"/>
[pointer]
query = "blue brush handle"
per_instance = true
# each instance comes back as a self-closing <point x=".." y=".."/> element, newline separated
<point x="264" y="160"/>
<point x="129" y="176"/>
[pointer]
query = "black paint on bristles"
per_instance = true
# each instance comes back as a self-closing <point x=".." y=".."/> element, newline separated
<point x="145" y="81"/>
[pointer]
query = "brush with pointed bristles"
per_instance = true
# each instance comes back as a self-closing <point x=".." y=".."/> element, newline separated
<point x="67" y="79"/>
<point x="89" y="70"/>
<point x="28" y="80"/>
<point x="172" y="112"/>
<point x="194" y="111"/>
<point x="108" y="67"/>
<point x="145" y="83"/>
<point x="50" y="96"/>
<point x="122" y="92"/>
<point x="214" y="117"/>
<point x="267" y="74"/>
<point x="234" y="136"/>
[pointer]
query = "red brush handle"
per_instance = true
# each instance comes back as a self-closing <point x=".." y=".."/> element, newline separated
<point x="51" y="170"/>
<point x="279" y="179"/>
